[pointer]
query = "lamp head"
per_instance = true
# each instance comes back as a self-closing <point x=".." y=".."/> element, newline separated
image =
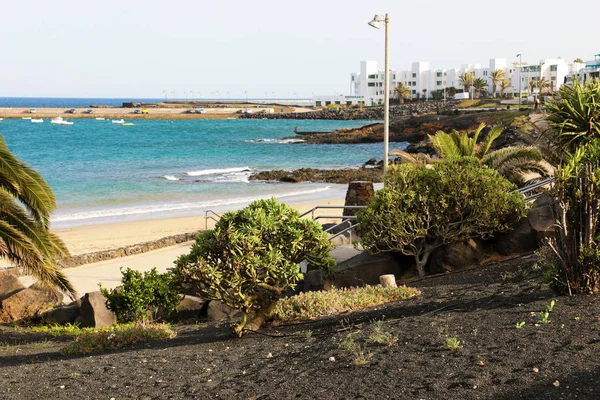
<point x="375" y="22"/>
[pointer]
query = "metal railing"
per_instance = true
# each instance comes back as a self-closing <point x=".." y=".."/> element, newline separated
<point x="210" y="214"/>
<point x="346" y="219"/>
<point x="529" y="192"/>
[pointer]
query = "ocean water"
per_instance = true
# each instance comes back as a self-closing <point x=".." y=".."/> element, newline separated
<point x="104" y="172"/>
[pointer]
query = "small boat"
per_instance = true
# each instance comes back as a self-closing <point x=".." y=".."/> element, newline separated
<point x="100" y="119"/>
<point x="118" y="121"/>
<point x="37" y="120"/>
<point x="60" y="121"/>
<point x="128" y="124"/>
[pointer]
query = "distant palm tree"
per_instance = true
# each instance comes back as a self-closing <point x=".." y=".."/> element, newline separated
<point x="542" y="84"/>
<point x="466" y="80"/>
<point x="425" y="94"/>
<point x="497" y="75"/>
<point x="480" y="85"/>
<point x="504" y="84"/>
<point x="532" y="85"/>
<point x="402" y="93"/>
<point x="511" y="162"/>
<point x="26" y="202"/>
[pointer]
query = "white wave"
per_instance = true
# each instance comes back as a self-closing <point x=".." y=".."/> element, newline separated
<point x="163" y="208"/>
<point x="234" y="177"/>
<point x="217" y="171"/>
<point x="171" y="178"/>
<point x="278" y="141"/>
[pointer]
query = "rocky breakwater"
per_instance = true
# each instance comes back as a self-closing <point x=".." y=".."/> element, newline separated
<point x="366" y="173"/>
<point x="362" y="113"/>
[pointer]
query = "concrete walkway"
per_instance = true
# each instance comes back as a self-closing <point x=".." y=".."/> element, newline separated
<point x="85" y="278"/>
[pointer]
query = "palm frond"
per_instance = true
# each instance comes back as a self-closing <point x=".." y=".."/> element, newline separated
<point x="489" y="140"/>
<point x="414" y="159"/>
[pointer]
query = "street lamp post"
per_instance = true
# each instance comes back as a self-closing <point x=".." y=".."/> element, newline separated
<point x="386" y="86"/>
<point x="520" y="77"/>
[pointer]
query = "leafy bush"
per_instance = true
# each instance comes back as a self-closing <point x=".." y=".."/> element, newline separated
<point x="423" y="207"/>
<point x="251" y="258"/>
<point x="93" y="340"/>
<point x="316" y="304"/>
<point x="140" y="296"/>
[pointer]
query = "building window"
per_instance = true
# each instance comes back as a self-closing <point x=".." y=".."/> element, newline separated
<point x="553" y="68"/>
<point x="371" y="84"/>
<point x="414" y="75"/>
<point x="552" y="78"/>
<point x="485" y="73"/>
<point x="353" y="78"/>
<point x="318" y="103"/>
<point x="439" y="83"/>
<point x="414" y="83"/>
<point x="414" y="92"/>
<point x="394" y="77"/>
<point x="372" y="76"/>
<point x="439" y="74"/>
<point x="327" y="103"/>
<point x="376" y="93"/>
<point x="337" y="102"/>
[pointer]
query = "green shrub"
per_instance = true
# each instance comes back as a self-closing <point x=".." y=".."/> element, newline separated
<point x="115" y="337"/>
<point x="141" y="296"/>
<point x="308" y="305"/>
<point x="423" y="207"/>
<point x="251" y="258"/>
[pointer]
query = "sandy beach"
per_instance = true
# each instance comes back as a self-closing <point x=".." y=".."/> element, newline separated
<point x="88" y="239"/>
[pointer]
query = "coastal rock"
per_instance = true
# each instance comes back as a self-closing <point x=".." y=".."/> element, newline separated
<point x="313" y="281"/>
<point x="61" y="315"/>
<point x="189" y="307"/>
<point x="218" y="311"/>
<point x="9" y="284"/>
<point x="457" y="256"/>
<point x="365" y="269"/>
<point x="28" y="303"/>
<point x="93" y="311"/>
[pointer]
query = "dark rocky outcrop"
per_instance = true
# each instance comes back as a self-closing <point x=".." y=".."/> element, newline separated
<point x="320" y="175"/>
<point x="359" y="193"/>
<point x="61" y="315"/>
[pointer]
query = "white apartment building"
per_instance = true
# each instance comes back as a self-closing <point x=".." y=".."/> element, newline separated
<point x="367" y="86"/>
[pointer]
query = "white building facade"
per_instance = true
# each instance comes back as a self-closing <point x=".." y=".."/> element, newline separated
<point x="367" y="86"/>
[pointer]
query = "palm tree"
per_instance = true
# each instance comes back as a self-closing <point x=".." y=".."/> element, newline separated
<point x="497" y="75"/>
<point x="402" y="92"/>
<point x="480" y="85"/>
<point x="425" y="94"/>
<point x="504" y="84"/>
<point x="532" y="85"/>
<point x="542" y="84"/>
<point x="511" y="162"/>
<point x="26" y="202"/>
<point x="466" y="80"/>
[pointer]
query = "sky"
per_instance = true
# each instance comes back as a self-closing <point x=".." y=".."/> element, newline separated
<point x="266" y="48"/>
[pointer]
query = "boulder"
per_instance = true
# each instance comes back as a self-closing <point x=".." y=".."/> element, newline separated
<point x="9" y="285"/>
<point x="359" y="193"/>
<point x="218" y="311"/>
<point x="456" y="256"/>
<point x="365" y="269"/>
<point x="93" y="311"/>
<point x="189" y="307"/>
<point x="541" y="217"/>
<point x="522" y="239"/>
<point x="313" y="280"/>
<point x="61" y="315"/>
<point x="28" y="303"/>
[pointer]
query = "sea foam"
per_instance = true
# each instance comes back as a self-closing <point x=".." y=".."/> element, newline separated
<point x="217" y="171"/>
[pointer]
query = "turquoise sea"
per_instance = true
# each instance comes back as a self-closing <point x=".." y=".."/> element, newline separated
<point x="104" y="172"/>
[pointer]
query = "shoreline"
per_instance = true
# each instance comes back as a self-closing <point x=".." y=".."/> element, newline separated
<point x="164" y="112"/>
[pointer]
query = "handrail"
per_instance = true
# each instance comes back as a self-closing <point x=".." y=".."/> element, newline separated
<point x="207" y="217"/>
<point x="312" y="210"/>
<point x="344" y="231"/>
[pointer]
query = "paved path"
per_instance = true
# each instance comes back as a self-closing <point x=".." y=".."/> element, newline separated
<point x="85" y="278"/>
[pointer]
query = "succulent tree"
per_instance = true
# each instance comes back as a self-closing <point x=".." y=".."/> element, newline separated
<point x="250" y="259"/>
<point x="422" y="208"/>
